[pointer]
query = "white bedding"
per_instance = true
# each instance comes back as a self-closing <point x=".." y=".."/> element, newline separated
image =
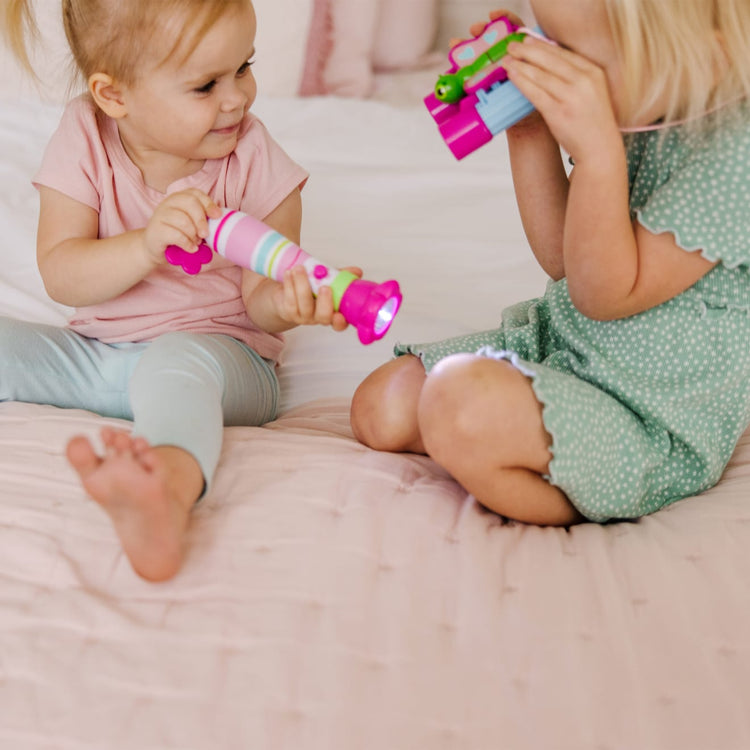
<point x="335" y="597"/>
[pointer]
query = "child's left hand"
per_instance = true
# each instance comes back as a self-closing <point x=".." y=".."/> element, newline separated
<point x="570" y="92"/>
<point x="297" y="305"/>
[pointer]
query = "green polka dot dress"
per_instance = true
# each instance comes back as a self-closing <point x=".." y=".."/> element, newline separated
<point x="646" y="410"/>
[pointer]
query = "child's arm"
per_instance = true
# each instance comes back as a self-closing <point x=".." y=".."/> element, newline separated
<point x="614" y="266"/>
<point x="278" y="307"/>
<point x="541" y="186"/>
<point x="78" y="269"/>
<point x="539" y="179"/>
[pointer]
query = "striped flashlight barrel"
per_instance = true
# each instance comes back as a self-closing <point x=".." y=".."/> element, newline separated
<point x="250" y="243"/>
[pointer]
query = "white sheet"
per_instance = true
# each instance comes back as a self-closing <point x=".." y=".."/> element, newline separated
<point x="335" y="597"/>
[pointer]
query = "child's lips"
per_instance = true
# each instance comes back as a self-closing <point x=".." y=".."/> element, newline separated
<point x="228" y="130"/>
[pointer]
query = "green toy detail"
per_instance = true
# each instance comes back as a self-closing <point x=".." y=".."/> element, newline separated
<point x="450" y="87"/>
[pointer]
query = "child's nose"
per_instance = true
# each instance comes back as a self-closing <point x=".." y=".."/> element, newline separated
<point x="234" y="98"/>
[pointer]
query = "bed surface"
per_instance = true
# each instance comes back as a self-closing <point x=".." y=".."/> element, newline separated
<point x="335" y="597"/>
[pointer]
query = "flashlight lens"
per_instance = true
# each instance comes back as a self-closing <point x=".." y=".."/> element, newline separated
<point x="385" y="316"/>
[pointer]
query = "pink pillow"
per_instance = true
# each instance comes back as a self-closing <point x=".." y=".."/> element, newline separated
<point x="308" y="47"/>
<point x="350" y="39"/>
<point x="319" y="44"/>
<point x="405" y="33"/>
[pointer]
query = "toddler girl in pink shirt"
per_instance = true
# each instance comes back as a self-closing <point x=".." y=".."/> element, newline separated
<point x="161" y="140"/>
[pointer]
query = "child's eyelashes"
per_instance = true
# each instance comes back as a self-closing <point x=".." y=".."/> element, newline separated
<point x="207" y="87"/>
<point x="242" y="70"/>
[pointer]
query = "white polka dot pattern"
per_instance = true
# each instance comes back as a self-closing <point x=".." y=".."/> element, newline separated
<point x="646" y="410"/>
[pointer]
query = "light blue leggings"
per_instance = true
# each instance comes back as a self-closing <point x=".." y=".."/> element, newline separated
<point x="180" y="389"/>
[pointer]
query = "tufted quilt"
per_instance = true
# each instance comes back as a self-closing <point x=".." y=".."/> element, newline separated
<point x="335" y="597"/>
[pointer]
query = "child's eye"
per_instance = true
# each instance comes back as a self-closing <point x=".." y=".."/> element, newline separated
<point x="206" y="88"/>
<point x="245" y="67"/>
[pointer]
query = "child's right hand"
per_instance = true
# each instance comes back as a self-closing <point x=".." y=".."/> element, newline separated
<point x="494" y="15"/>
<point x="476" y="28"/>
<point x="296" y="305"/>
<point x="534" y="121"/>
<point x="180" y="219"/>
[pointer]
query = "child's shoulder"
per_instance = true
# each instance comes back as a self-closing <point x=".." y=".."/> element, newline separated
<point x="253" y="133"/>
<point x="696" y="189"/>
<point x="80" y="122"/>
<point x="695" y="153"/>
<point x="724" y="137"/>
<point x="81" y="109"/>
<point x="256" y="146"/>
<point x="259" y="173"/>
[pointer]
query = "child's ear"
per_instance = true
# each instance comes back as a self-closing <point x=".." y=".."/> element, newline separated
<point x="107" y="94"/>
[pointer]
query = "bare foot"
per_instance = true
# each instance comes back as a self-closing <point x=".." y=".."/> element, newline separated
<point x="148" y="492"/>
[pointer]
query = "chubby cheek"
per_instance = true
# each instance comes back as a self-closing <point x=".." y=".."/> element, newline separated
<point x="250" y="89"/>
<point x="195" y="120"/>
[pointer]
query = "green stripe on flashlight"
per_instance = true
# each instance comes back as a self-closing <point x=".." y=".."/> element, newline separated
<point x="339" y="285"/>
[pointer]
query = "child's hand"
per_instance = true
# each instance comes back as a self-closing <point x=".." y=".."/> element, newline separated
<point x="297" y="305"/>
<point x="570" y="92"/>
<point x="476" y="28"/>
<point x="494" y="15"/>
<point x="180" y="219"/>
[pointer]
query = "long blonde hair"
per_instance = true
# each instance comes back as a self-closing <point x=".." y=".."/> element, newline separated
<point x="693" y="54"/>
<point x="115" y="36"/>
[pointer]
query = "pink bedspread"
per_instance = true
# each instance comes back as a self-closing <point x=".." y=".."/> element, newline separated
<point x="335" y="597"/>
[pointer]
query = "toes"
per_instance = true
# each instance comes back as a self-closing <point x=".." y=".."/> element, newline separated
<point x="149" y="460"/>
<point x="122" y="442"/>
<point x="82" y="456"/>
<point x="108" y="435"/>
<point x="141" y="446"/>
<point x="117" y="442"/>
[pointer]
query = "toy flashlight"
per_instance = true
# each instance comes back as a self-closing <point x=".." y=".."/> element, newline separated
<point x="473" y="100"/>
<point x="250" y="243"/>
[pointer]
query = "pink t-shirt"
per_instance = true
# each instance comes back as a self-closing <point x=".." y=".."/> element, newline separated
<point x="86" y="161"/>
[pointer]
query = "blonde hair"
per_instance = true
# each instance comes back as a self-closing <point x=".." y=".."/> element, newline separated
<point x="115" y="36"/>
<point x="693" y="54"/>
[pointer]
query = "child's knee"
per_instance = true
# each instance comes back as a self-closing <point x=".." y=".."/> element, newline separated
<point x="369" y="421"/>
<point x="454" y="402"/>
<point x="22" y="354"/>
<point x="474" y="406"/>
<point x="178" y="355"/>
<point x="383" y="410"/>
<point x="12" y="340"/>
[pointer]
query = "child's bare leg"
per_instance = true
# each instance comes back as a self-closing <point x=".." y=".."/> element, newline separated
<point x="148" y="492"/>
<point x="384" y="407"/>
<point x="480" y="419"/>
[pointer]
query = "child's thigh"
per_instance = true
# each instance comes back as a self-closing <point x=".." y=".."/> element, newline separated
<point x="46" y="364"/>
<point x="188" y="386"/>
<point x="384" y="407"/>
<point x="208" y="379"/>
<point x="399" y="379"/>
